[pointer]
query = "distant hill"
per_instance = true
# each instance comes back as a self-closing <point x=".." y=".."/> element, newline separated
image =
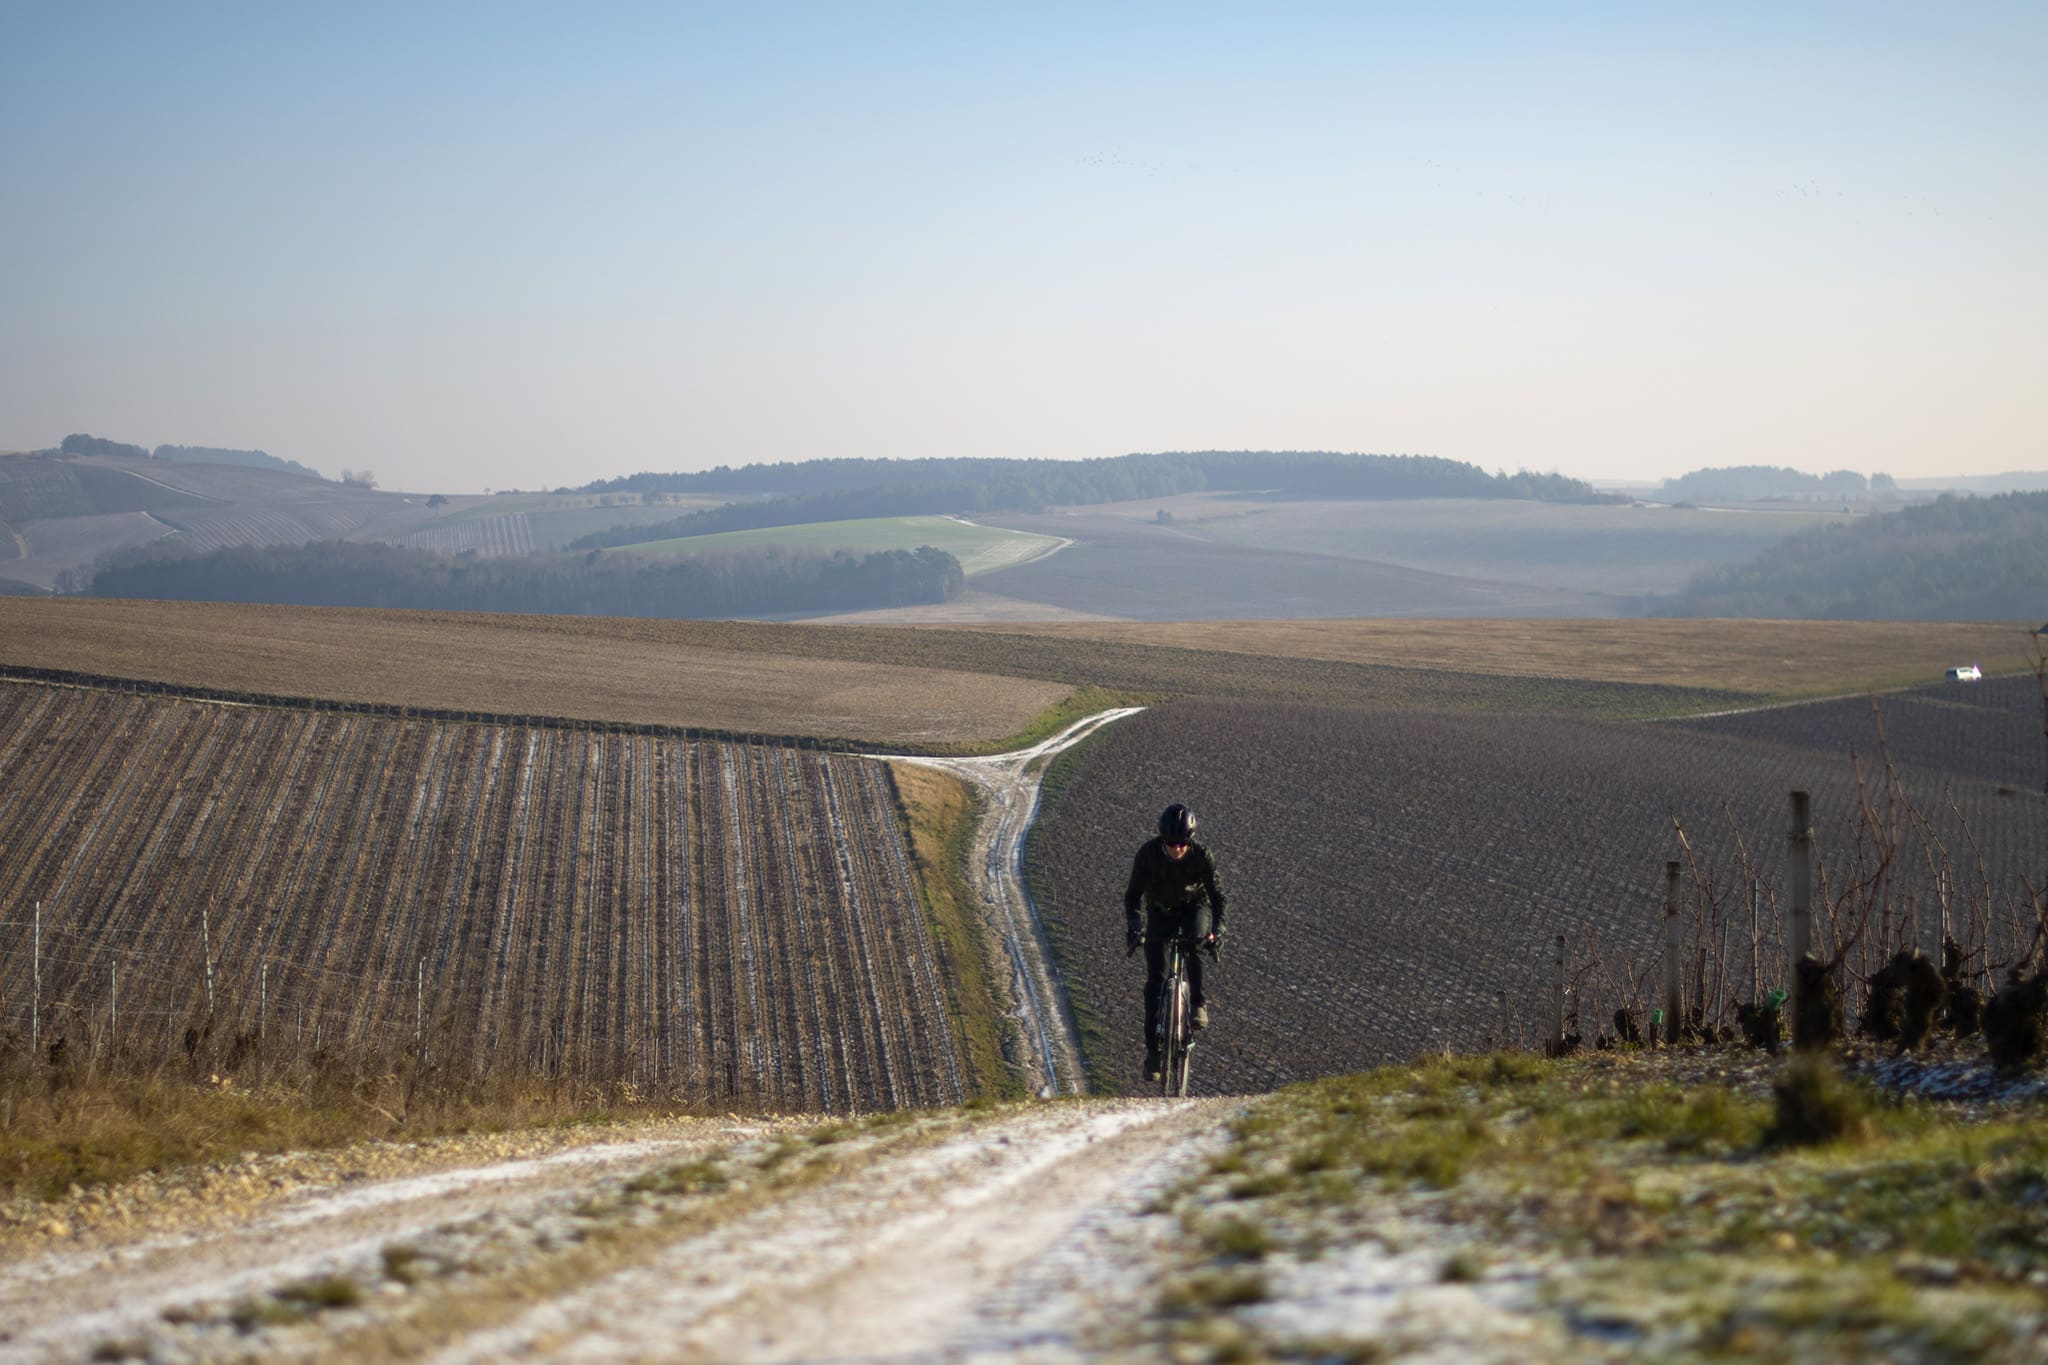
<point x="80" y="443"/>
<point x="842" y="490"/>
<point x="1029" y="485"/>
<point x="254" y="459"/>
<point x="337" y="573"/>
<point x="1963" y="559"/>
<point x="2014" y="481"/>
<point x="1767" y="483"/>
<point x="42" y="486"/>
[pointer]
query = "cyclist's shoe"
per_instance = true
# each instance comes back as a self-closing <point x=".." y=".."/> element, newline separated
<point x="1200" y="1018"/>
<point x="1152" y="1067"/>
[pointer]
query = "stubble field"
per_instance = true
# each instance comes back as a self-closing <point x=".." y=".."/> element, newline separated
<point x="706" y="675"/>
<point x="1757" y="658"/>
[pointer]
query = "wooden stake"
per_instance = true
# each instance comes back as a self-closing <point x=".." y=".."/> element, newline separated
<point x="1800" y="875"/>
<point x="1671" y="948"/>
<point x="35" y="1005"/>
<point x="1558" y="997"/>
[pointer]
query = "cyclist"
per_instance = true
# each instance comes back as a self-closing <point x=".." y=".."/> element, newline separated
<point x="1174" y="879"/>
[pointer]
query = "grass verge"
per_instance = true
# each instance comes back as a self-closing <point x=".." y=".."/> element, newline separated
<point x="1626" y="1209"/>
<point x="56" y="1133"/>
<point x="939" y="814"/>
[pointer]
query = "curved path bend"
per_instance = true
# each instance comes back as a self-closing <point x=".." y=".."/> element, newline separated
<point x="1009" y="787"/>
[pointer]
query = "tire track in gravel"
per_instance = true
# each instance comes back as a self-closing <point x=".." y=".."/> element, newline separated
<point x="1032" y="1236"/>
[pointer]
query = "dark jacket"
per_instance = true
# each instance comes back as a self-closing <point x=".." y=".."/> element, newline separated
<point x="1165" y="883"/>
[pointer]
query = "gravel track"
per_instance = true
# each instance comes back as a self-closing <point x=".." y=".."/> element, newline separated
<point x="1009" y="787"/>
<point x="1031" y="1237"/>
<point x="1032" y="1232"/>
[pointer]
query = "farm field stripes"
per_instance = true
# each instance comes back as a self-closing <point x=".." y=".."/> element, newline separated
<point x="1397" y="881"/>
<point x="1973" y="729"/>
<point x="716" y="922"/>
<point x="489" y="537"/>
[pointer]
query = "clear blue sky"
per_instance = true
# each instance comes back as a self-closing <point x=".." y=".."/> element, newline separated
<point x="516" y="246"/>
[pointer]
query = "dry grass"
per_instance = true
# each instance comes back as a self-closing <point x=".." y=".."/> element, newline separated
<point x="941" y="814"/>
<point x="1777" y="658"/>
<point x="714" y="675"/>
<point x="57" y="1132"/>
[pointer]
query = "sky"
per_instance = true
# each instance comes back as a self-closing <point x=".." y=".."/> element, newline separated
<point x="513" y="246"/>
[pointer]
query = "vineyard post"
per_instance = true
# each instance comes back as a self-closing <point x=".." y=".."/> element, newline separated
<point x="206" y="947"/>
<point x="35" y="1003"/>
<point x="1755" y="984"/>
<point x="1802" y="890"/>
<point x="1558" y="998"/>
<point x="419" y="1004"/>
<point x="1671" y="1001"/>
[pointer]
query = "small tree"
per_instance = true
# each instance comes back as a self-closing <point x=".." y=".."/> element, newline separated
<point x="358" y="478"/>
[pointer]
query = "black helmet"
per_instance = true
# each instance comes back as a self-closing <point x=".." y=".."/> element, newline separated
<point x="1176" y="824"/>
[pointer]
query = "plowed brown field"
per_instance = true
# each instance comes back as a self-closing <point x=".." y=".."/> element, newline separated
<point x="1397" y="880"/>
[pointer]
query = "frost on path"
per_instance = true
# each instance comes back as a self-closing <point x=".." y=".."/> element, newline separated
<point x="55" y="1307"/>
<point x="1033" y="1238"/>
<point x="1009" y="786"/>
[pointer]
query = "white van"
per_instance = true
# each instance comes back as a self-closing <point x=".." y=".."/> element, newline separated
<point x="1964" y="673"/>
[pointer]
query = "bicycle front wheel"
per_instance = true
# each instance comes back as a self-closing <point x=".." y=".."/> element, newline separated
<point x="1175" y="1074"/>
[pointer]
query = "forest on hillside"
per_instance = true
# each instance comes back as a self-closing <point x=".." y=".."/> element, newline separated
<point x="1963" y="559"/>
<point x="837" y="490"/>
<point x="766" y="582"/>
<point x="1768" y="483"/>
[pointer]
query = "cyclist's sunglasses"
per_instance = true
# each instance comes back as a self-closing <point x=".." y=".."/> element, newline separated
<point x="1176" y="843"/>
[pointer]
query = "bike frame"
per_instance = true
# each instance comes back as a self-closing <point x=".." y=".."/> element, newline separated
<point x="1176" y="1034"/>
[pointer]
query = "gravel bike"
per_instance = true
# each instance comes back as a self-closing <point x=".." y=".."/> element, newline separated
<point x="1176" y="1026"/>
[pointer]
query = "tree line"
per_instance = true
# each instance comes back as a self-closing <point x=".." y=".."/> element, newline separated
<point x="1978" y="559"/>
<point x="79" y="443"/>
<point x="1763" y="483"/>
<point x="834" y="490"/>
<point x="764" y="582"/>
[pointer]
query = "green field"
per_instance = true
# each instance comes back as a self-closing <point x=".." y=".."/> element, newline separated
<point x="980" y="549"/>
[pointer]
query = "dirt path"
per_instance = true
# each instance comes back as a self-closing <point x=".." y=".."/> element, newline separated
<point x="1009" y="786"/>
<point x="251" y="1230"/>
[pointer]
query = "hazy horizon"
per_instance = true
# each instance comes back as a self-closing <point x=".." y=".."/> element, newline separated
<point x="471" y="247"/>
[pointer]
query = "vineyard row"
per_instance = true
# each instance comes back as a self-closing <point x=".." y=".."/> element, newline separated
<point x="713" y="921"/>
